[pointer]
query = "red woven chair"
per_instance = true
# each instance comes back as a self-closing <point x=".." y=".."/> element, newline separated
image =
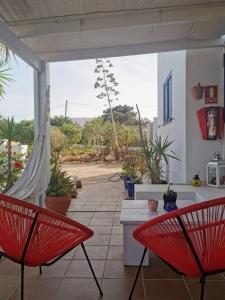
<point x="34" y="236"/>
<point x="191" y="240"/>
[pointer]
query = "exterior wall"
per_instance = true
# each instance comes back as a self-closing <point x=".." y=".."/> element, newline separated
<point x="204" y="66"/>
<point x="174" y="62"/>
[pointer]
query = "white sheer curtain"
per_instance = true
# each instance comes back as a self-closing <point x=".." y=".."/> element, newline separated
<point x="33" y="182"/>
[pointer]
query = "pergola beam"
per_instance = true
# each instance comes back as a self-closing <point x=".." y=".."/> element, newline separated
<point x="64" y="24"/>
<point x="134" y="49"/>
<point x="18" y="47"/>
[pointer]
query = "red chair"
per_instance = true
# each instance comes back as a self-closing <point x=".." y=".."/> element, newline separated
<point x="34" y="236"/>
<point x="191" y="240"/>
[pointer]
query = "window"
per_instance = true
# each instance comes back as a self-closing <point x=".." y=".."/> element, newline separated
<point x="167" y="100"/>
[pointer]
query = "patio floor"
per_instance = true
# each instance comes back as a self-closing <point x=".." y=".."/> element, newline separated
<point x="98" y="206"/>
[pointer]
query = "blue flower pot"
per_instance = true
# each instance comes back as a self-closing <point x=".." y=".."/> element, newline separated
<point x="130" y="188"/>
<point x="126" y="179"/>
<point x="169" y="203"/>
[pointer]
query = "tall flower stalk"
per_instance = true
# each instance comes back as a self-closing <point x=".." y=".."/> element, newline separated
<point x="107" y="84"/>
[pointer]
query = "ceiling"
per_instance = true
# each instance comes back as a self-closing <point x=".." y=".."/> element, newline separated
<point x="78" y="29"/>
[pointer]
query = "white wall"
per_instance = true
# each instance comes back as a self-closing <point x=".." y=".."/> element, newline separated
<point x="174" y="62"/>
<point x="204" y="66"/>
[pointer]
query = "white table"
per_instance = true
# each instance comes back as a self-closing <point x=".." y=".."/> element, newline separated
<point x="134" y="213"/>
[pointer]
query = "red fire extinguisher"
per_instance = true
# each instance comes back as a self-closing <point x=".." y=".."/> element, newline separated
<point x="211" y="122"/>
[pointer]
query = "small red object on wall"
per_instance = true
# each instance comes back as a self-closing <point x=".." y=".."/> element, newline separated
<point x="211" y="122"/>
<point x="211" y="94"/>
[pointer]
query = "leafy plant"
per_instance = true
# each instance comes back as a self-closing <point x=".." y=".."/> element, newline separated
<point x="134" y="166"/>
<point x="7" y="132"/>
<point x="157" y="154"/>
<point x="60" y="184"/>
<point x="170" y="192"/>
<point x="18" y="163"/>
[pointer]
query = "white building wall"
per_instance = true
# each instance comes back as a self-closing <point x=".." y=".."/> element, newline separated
<point x="174" y="62"/>
<point x="204" y="66"/>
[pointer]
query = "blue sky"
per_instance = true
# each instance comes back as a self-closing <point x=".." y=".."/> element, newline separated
<point x="74" y="81"/>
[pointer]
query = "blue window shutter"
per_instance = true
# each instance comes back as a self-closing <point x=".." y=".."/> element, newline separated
<point x="167" y="100"/>
<point x="170" y="97"/>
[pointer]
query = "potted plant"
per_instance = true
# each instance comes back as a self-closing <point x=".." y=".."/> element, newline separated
<point x="157" y="154"/>
<point x="60" y="191"/>
<point x="170" y="198"/>
<point x="61" y="187"/>
<point x="134" y="168"/>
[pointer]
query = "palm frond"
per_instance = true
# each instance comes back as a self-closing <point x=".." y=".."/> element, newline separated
<point x="5" y="77"/>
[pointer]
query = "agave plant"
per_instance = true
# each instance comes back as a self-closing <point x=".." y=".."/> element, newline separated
<point x="157" y="154"/>
<point x="7" y="132"/>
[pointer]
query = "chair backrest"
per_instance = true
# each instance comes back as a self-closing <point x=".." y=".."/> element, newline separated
<point x="191" y="239"/>
<point x="49" y="234"/>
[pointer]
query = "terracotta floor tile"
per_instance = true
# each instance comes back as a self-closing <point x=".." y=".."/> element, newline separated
<point x="119" y="289"/>
<point x="101" y="229"/>
<point x="116" y="269"/>
<point x="104" y="215"/>
<point x="158" y="269"/>
<point x="106" y="208"/>
<point x="82" y="215"/>
<point x="84" y="221"/>
<point x="89" y="208"/>
<point x="116" y="239"/>
<point x="117" y="229"/>
<point x="80" y="268"/>
<point x="115" y="252"/>
<point x="58" y="269"/>
<point x="116" y="221"/>
<point x="101" y="221"/>
<point x="94" y="252"/>
<point x="117" y="214"/>
<point x="99" y="240"/>
<point x="166" y="290"/>
<point x="8" y="284"/>
<point x="214" y="290"/>
<point x="39" y="289"/>
<point x="78" y="288"/>
<point x="70" y="254"/>
<point x="9" y="268"/>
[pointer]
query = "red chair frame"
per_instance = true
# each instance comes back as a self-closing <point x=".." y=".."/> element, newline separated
<point x="190" y="240"/>
<point x="34" y="236"/>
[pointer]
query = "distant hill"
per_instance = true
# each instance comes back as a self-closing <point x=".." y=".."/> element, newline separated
<point x="81" y="121"/>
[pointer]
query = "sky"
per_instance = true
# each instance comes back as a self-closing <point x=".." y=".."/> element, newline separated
<point x="74" y="81"/>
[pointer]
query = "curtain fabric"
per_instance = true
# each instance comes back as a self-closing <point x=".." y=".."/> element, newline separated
<point x="34" y="180"/>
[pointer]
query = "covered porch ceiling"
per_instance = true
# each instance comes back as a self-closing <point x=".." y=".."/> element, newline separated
<point x="58" y="30"/>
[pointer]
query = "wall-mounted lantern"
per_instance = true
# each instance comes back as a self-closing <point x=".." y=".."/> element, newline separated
<point x="197" y="91"/>
<point x="216" y="172"/>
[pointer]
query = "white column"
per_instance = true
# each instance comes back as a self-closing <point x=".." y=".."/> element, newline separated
<point x="42" y="116"/>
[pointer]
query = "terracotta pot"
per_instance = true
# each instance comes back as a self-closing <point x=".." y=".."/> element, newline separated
<point x="59" y="204"/>
<point x="197" y="91"/>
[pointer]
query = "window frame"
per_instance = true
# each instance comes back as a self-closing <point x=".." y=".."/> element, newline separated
<point x="167" y="100"/>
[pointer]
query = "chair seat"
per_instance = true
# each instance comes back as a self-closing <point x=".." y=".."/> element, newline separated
<point x="52" y="235"/>
<point x="204" y="225"/>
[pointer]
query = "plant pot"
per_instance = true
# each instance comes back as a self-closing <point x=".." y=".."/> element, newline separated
<point x="126" y="179"/>
<point x="197" y="91"/>
<point x="59" y="204"/>
<point x="169" y="203"/>
<point x="130" y="188"/>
